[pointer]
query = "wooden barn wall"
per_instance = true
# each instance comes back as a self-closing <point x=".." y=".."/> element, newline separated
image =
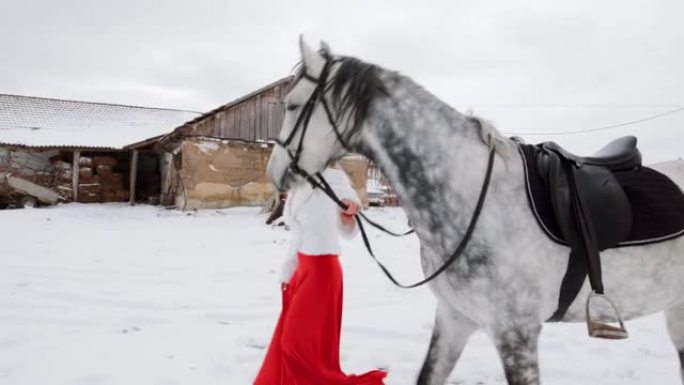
<point x="257" y="118"/>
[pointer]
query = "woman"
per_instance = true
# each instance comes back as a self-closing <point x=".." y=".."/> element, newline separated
<point x="305" y="346"/>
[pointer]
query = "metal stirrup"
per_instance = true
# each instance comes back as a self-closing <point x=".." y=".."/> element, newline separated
<point x="598" y="329"/>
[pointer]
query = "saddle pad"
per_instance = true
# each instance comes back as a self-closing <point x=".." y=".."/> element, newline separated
<point x="657" y="202"/>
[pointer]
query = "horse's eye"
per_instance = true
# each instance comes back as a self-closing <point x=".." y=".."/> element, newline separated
<point x="292" y="107"/>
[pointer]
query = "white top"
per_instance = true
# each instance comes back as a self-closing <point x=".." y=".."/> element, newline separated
<point x="314" y="220"/>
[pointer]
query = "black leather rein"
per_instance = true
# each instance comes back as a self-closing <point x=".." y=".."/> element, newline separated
<point x="319" y="182"/>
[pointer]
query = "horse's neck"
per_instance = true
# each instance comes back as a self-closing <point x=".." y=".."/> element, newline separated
<point x="431" y="153"/>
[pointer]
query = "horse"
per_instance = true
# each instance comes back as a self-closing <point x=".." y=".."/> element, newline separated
<point x="507" y="281"/>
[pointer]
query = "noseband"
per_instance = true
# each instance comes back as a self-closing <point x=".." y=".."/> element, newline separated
<point x="317" y="180"/>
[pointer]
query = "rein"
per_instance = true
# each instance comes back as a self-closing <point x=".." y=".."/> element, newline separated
<point x="319" y="182"/>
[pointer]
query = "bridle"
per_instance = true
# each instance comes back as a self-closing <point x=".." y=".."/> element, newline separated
<point x="317" y="180"/>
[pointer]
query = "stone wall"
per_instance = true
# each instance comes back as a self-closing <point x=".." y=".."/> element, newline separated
<point x="222" y="173"/>
<point x="217" y="174"/>
<point x="356" y="168"/>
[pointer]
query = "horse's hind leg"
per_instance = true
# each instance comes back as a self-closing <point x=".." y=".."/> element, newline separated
<point x="675" y="326"/>
<point x="517" y="348"/>
<point x="449" y="336"/>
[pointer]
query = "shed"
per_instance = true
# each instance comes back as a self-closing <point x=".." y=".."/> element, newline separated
<point x="81" y="149"/>
<point x="219" y="158"/>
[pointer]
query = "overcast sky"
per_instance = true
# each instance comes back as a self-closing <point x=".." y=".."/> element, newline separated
<point x="530" y="66"/>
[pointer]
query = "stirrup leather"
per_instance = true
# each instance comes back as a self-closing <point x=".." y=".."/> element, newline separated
<point x="598" y="329"/>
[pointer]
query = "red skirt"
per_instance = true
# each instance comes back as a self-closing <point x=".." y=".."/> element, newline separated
<point x="305" y="348"/>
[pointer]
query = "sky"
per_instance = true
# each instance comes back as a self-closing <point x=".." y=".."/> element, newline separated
<point x="528" y="66"/>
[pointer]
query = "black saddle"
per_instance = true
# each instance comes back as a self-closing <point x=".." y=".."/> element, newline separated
<point x="598" y="202"/>
<point x="621" y="154"/>
<point x="590" y="205"/>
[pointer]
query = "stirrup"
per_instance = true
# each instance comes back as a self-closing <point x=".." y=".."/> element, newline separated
<point x="598" y="329"/>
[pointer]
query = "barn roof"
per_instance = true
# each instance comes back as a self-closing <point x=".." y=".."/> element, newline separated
<point x="43" y="122"/>
<point x="285" y="80"/>
<point x="186" y="129"/>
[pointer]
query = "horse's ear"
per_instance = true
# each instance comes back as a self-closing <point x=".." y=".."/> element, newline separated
<point x="325" y="50"/>
<point x="313" y="61"/>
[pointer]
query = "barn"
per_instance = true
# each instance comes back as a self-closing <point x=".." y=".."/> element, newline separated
<point x="219" y="158"/>
<point x="81" y="151"/>
<point x="98" y="152"/>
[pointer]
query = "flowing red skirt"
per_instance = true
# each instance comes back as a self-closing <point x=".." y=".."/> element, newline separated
<point x="305" y="348"/>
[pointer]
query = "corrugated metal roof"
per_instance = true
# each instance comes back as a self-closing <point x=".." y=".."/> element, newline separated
<point x="42" y="122"/>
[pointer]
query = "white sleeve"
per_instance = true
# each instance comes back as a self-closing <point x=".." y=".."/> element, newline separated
<point x="342" y="186"/>
<point x="343" y="189"/>
<point x="290" y="263"/>
<point x="288" y="267"/>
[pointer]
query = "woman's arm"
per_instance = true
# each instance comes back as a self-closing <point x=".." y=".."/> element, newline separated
<point x="290" y="263"/>
<point x="343" y="189"/>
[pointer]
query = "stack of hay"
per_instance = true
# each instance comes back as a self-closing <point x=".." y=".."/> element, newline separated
<point x="112" y="182"/>
<point x="89" y="188"/>
<point x="98" y="181"/>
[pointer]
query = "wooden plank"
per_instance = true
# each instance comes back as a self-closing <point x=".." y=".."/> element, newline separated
<point x="222" y="124"/>
<point x="259" y="112"/>
<point x="229" y="116"/>
<point x="236" y="124"/>
<point x="253" y="120"/>
<point x="133" y="177"/>
<point x="75" y="169"/>
<point x="37" y="191"/>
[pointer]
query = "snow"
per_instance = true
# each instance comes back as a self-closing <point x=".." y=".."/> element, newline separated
<point x="374" y="187"/>
<point x="35" y="121"/>
<point x="112" y="294"/>
<point x="208" y="147"/>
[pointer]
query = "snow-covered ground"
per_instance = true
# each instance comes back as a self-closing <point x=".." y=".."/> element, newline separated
<point x="109" y="294"/>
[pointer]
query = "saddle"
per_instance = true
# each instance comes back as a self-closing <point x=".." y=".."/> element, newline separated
<point x="592" y="212"/>
<point x="598" y="202"/>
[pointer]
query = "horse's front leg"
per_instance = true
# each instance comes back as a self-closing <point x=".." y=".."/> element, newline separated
<point x="517" y="347"/>
<point x="449" y="337"/>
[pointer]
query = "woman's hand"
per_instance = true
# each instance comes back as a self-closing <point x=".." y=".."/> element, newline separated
<point x="352" y="208"/>
<point x="347" y="215"/>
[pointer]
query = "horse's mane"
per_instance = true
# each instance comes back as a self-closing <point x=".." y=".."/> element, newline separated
<point x="355" y="84"/>
<point x="491" y="136"/>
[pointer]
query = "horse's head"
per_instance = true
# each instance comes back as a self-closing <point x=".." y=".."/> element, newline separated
<point x="324" y="112"/>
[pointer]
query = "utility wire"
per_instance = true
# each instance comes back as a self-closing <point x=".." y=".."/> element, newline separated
<point x="670" y="112"/>
<point x="547" y="105"/>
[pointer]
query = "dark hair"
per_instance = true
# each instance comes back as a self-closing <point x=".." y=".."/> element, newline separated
<point x="354" y="86"/>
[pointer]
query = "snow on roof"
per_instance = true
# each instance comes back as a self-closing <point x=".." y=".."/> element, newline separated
<point x="32" y="121"/>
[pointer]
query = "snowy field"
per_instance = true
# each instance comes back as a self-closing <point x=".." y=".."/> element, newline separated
<point x="109" y="294"/>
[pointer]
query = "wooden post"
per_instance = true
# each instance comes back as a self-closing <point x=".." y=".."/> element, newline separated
<point x="75" y="169"/>
<point x="133" y="177"/>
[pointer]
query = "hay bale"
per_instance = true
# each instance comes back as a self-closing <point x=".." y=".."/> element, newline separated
<point x="112" y="181"/>
<point x="85" y="172"/>
<point x="102" y="160"/>
<point x="89" y="193"/>
<point x="62" y="165"/>
<point x="65" y="176"/>
<point x="110" y="196"/>
<point x="103" y="170"/>
<point x="122" y="195"/>
<point x="85" y="161"/>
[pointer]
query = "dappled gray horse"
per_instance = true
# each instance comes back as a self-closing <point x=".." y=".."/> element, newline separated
<point x="507" y="281"/>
